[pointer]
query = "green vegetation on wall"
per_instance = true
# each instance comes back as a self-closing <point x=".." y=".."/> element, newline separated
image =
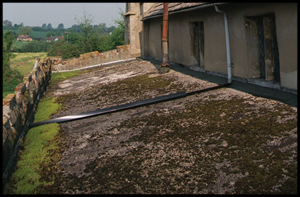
<point x="41" y="147"/>
<point x="11" y="77"/>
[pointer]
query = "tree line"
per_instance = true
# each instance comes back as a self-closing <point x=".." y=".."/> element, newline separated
<point x="88" y="39"/>
<point x="59" y="31"/>
<point x="10" y="76"/>
<point x="80" y="38"/>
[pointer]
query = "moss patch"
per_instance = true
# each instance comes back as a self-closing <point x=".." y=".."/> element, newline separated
<point x="207" y="125"/>
<point x="40" y="154"/>
<point x="46" y="108"/>
<point x="39" y="144"/>
<point x="57" y="77"/>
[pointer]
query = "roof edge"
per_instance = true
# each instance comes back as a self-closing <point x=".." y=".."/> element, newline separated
<point x="183" y="10"/>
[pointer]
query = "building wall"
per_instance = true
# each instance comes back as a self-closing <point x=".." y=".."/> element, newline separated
<point x="180" y="46"/>
<point x="180" y="43"/>
<point x="286" y="30"/>
<point x="133" y="30"/>
<point x="155" y="47"/>
<point x="133" y="17"/>
<point x="287" y="38"/>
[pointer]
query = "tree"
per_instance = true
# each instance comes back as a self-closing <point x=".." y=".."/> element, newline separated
<point x="24" y="30"/>
<point x="53" y="33"/>
<point x="73" y="38"/>
<point x="7" y="23"/>
<point x="85" y="24"/>
<point x="87" y="30"/>
<point x="75" y="28"/>
<point x="60" y="26"/>
<point x="111" y="29"/>
<point x="7" y="43"/>
<point x="102" y="28"/>
<point x="44" y="26"/>
<point x="20" y="25"/>
<point x="49" y="26"/>
<point x="64" y="49"/>
<point x="118" y="35"/>
<point x="10" y="76"/>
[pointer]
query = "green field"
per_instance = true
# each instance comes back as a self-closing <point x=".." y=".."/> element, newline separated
<point x="22" y="62"/>
<point x="19" y="44"/>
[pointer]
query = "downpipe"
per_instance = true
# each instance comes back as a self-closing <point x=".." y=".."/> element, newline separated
<point x="227" y="43"/>
<point x="164" y="67"/>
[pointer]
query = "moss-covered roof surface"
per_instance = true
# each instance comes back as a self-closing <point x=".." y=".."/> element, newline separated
<point x="221" y="142"/>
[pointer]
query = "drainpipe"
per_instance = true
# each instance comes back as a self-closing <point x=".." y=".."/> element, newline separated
<point x="227" y="43"/>
<point x="164" y="67"/>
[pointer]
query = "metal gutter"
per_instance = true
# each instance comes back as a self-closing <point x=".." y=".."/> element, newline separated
<point x="184" y="10"/>
<point x="125" y="106"/>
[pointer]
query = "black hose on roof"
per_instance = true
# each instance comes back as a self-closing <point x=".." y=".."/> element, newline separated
<point x="125" y="106"/>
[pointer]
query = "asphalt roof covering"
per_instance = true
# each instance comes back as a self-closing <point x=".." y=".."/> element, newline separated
<point x="157" y="9"/>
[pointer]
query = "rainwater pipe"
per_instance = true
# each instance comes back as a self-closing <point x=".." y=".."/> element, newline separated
<point x="164" y="67"/>
<point x="227" y="43"/>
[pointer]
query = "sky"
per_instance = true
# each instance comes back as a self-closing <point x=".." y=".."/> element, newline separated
<point x="36" y="14"/>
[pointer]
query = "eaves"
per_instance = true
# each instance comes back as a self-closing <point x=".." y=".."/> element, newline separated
<point x="182" y="10"/>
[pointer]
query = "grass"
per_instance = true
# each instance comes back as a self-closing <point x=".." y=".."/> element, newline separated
<point x="24" y="62"/>
<point x="38" y="144"/>
<point x="41" y="147"/>
<point x="37" y="162"/>
<point x="46" y="108"/>
<point x="57" y="77"/>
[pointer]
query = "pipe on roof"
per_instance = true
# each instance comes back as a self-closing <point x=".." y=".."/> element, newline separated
<point x="127" y="106"/>
<point x="227" y="43"/>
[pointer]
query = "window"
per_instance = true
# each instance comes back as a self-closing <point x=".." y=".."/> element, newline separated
<point x="263" y="56"/>
<point x="197" y="38"/>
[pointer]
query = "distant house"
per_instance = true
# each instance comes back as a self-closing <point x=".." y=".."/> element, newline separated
<point x="54" y="38"/>
<point x="24" y="38"/>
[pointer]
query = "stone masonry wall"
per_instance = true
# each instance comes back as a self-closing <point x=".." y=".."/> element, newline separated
<point x="18" y="113"/>
<point x="92" y="58"/>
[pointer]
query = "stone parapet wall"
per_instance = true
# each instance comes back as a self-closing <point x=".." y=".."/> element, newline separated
<point x="18" y="113"/>
<point x="92" y="58"/>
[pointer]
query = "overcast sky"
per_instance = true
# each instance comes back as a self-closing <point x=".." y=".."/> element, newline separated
<point x="36" y="14"/>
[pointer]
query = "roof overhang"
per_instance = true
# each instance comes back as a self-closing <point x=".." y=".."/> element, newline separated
<point x="183" y="10"/>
